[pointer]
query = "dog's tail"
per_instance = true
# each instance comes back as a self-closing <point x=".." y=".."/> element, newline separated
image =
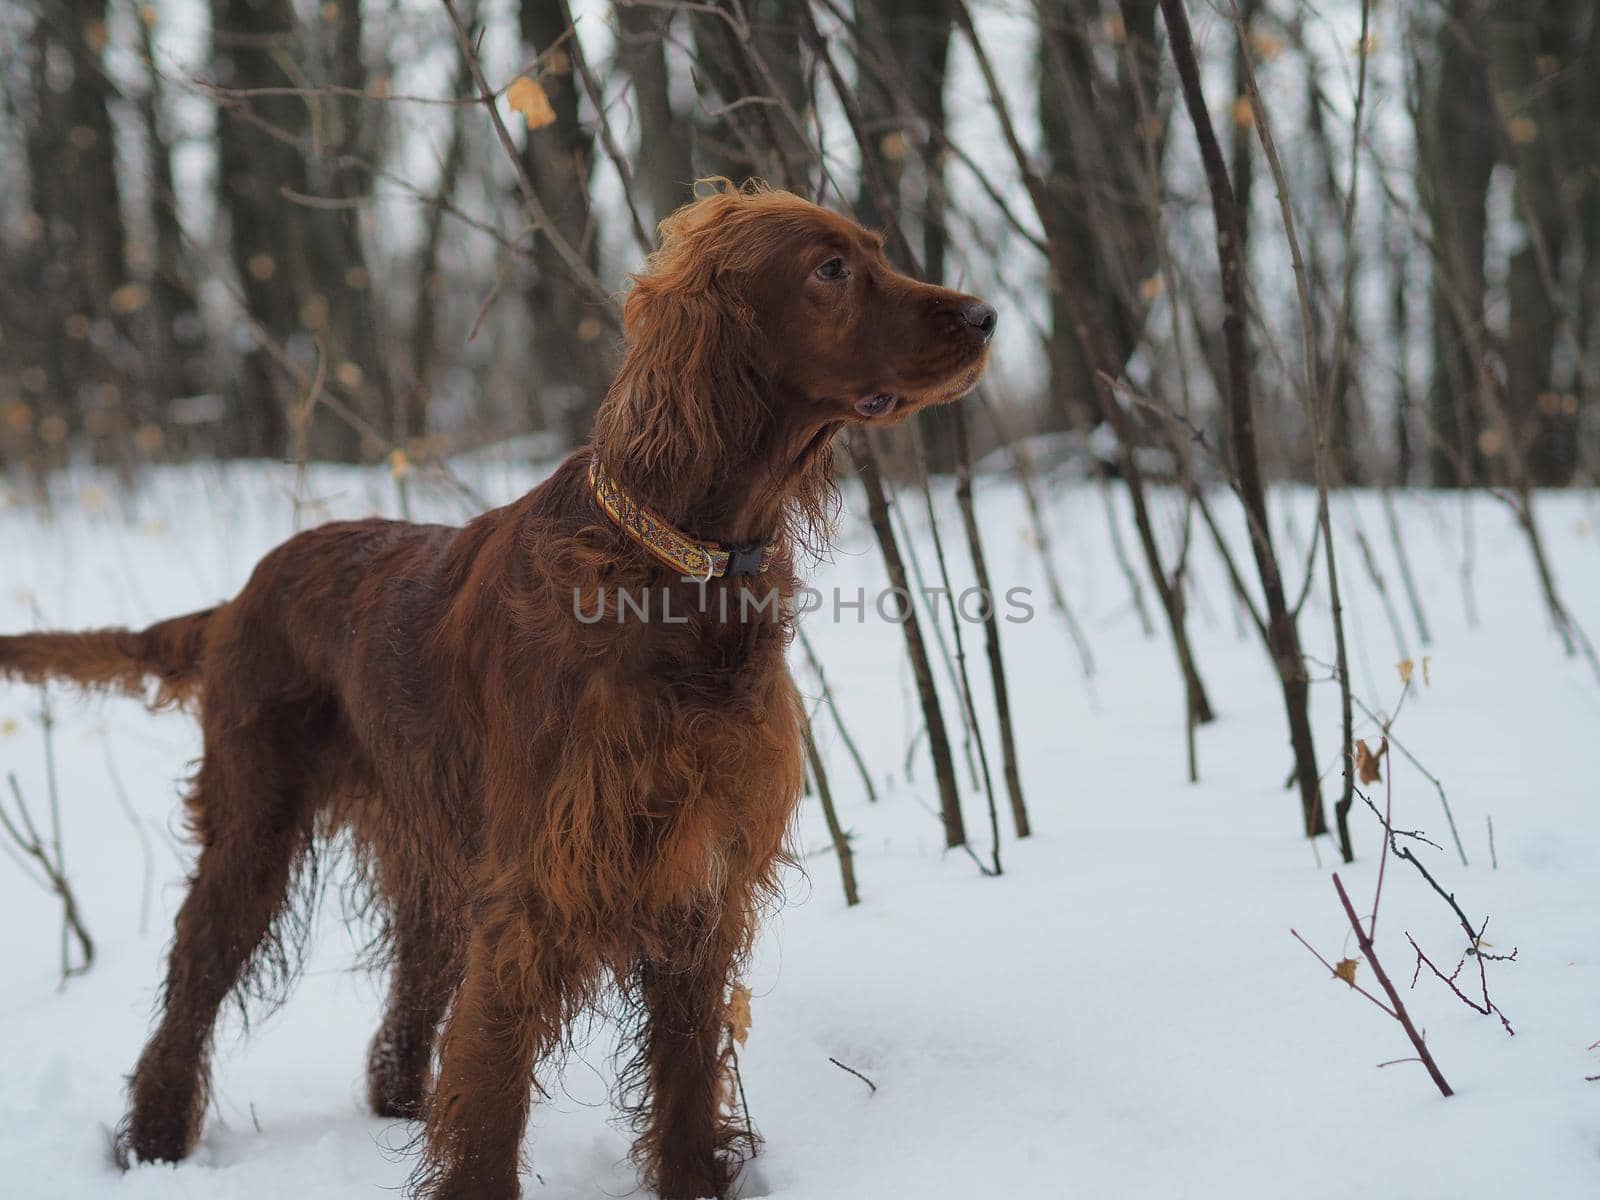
<point x="115" y="660"/>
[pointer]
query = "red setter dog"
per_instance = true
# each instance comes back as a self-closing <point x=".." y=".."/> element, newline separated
<point x="551" y="805"/>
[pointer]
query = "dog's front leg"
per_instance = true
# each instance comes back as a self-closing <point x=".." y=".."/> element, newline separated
<point x="506" y="1017"/>
<point x="689" y="1143"/>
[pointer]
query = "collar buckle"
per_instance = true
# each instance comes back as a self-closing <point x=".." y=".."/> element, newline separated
<point x="746" y="560"/>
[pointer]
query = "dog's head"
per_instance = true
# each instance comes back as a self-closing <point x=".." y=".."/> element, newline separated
<point x="765" y="324"/>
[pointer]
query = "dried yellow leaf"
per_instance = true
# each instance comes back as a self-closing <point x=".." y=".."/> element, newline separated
<point x="17" y="416"/>
<point x="1522" y="130"/>
<point x="1267" y="46"/>
<point x="399" y="464"/>
<point x="1406" y="668"/>
<point x="1345" y="969"/>
<point x="129" y="299"/>
<point x="1427" y="675"/>
<point x="528" y="98"/>
<point x="739" y="1013"/>
<point x="1367" y="763"/>
<point x="1244" y="114"/>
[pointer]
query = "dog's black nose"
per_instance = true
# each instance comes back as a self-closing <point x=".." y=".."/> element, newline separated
<point x="981" y="317"/>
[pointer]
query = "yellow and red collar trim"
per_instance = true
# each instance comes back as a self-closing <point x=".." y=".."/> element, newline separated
<point x="684" y="554"/>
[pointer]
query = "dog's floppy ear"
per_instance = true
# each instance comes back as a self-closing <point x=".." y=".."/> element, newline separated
<point x="689" y="389"/>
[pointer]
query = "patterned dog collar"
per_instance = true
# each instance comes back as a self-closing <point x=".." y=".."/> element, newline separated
<point x="684" y="554"/>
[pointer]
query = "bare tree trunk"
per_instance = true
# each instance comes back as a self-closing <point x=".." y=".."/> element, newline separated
<point x="429" y="284"/>
<point x="1095" y="214"/>
<point x="663" y="160"/>
<point x="1541" y="65"/>
<point x="1397" y="252"/>
<point x="1455" y="146"/>
<point x="1105" y="352"/>
<point x="902" y="50"/>
<point x="1283" y="637"/>
<point x="572" y="358"/>
<point x="991" y="626"/>
<point x="302" y="274"/>
<point x="749" y="50"/>
<point x="836" y="833"/>
<point x="353" y="325"/>
<point x="866" y="460"/>
<point x="174" y="345"/>
<point x="90" y="368"/>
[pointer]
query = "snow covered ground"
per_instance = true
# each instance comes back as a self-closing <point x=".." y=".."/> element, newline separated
<point x="1123" y="1013"/>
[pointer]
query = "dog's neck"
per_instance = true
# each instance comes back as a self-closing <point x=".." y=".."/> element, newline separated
<point x="776" y="483"/>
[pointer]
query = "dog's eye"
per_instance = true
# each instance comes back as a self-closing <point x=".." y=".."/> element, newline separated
<point x="834" y="268"/>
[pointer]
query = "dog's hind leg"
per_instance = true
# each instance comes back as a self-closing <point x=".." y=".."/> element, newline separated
<point x="251" y="809"/>
<point x="398" y="1064"/>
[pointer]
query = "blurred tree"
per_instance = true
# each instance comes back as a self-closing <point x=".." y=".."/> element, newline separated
<point x="173" y="340"/>
<point x="574" y="362"/>
<point x="902" y="55"/>
<point x="662" y="160"/>
<point x="1096" y="60"/>
<point x="282" y="173"/>
<point x="1546" y="61"/>
<point x="78" y="357"/>
<point x="1456" y="136"/>
<point x="751" y="78"/>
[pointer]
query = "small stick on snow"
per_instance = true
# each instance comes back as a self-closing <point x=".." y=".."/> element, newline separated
<point x="856" y="1073"/>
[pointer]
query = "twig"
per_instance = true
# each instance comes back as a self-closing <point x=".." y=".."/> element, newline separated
<point x="838" y="720"/>
<point x="1022" y="470"/>
<point x="969" y="710"/>
<point x="1388" y="732"/>
<point x="991" y="632"/>
<point x="1376" y="575"/>
<point x="856" y="1073"/>
<point x="1370" y="953"/>
<point x="1488" y="1007"/>
<point x="27" y="838"/>
<point x="539" y="217"/>
<point x="1412" y="595"/>
<point x="1240" y="415"/>
<point x="867" y="466"/>
<point x="1318" y="399"/>
<point x="841" y="840"/>
<point x="1332" y="971"/>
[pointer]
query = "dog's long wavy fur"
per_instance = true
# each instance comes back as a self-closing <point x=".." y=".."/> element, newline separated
<point x="546" y="813"/>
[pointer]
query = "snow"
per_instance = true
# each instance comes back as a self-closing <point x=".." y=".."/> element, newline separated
<point x="1122" y="1013"/>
